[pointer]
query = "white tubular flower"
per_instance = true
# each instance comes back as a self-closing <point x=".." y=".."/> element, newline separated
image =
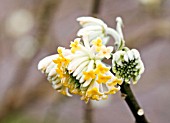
<point x="48" y="67"/>
<point x="127" y="65"/>
<point x="87" y="68"/>
<point x="80" y="70"/>
<point x="93" y="28"/>
<point x="118" y="34"/>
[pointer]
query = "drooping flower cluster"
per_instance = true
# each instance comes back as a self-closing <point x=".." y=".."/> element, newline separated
<point x="81" y="70"/>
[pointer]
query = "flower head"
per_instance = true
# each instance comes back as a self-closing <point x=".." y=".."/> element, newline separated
<point x="93" y="28"/>
<point x="87" y="67"/>
<point x="54" y="76"/>
<point x="98" y="44"/>
<point x="105" y="52"/>
<point x="80" y="70"/>
<point x="127" y="65"/>
<point x="101" y="69"/>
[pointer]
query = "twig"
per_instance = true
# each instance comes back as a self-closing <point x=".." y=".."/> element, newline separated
<point x="131" y="101"/>
<point x="88" y="113"/>
<point x="95" y="7"/>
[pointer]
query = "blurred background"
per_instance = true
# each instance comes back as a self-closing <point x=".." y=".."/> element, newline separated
<point x="32" y="29"/>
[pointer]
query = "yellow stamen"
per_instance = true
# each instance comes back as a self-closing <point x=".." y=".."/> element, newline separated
<point x="103" y="79"/>
<point x="115" y="82"/>
<point x="101" y="69"/>
<point x="59" y="50"/>
<point x="94" y="93"/>
<point x="112" y="90"/>
<point x="98" y="43"/>
<point x="60" y="72"/>
<point x="74" y="46"/>
<point x="89" y="75"/>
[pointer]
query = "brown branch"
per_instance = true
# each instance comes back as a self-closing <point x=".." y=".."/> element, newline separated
<point x="131" y="101"/>
<point x="95" y="7"/>
<point x="88" y="114"/>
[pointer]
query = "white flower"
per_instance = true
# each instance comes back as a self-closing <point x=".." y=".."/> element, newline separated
<point x="80" y="70"/>
<point x="127" y="65"/>
<point x="48" y="67"/>
<point x="117" y="34"/>
<point x="93" y="28"/>
<point x="43" y="64"/>
<point x="86" y="67"/>
<point x="105" y="52"/>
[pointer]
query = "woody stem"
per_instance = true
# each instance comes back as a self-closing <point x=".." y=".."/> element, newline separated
<point x="131" y="101"/>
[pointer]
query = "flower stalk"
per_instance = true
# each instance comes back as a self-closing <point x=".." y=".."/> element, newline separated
<point x="131" y="101"/>
<point x="88" y="113"/>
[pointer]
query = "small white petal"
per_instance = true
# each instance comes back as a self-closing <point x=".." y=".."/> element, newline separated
<point x="114" y="34"/>
<point x="142" y="68"/>
<point x="42" y="65"/>
<point x="81" y="73"/>
<point x="51" y="66"/>
<point x="119" y="26"/>
<point x="91" y="65"/>
<point x="135" y="53"/>
<point x="54" y="78"/>
<point x="82" y="79"/>
<point x="84" y="20"/>
<point x="86" y="83"/>
<point x="130" y="55"/>
<point x="110" y="49"/>
<point x="136" y="79"/>
<point x="126" y="58"/>
<point x="57" y="81"/>
<point x="80" y="68"/>
<point x="88" y="28"/>
<point x="57" y="86"/>
<point x="67" y="93"/>
<point x="52" y="72"/>
<point x="76" y="62"/>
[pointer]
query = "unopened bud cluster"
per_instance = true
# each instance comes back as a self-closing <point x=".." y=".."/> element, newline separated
<point x="127" y="65"/>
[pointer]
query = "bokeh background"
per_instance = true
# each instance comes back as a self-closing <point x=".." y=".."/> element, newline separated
<point x="33" y="29"/>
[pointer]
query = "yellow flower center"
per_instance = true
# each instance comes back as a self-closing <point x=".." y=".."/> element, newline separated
<point x="89" y="75"/>
<point x="113" y="90"/>
<point x="98" y="44"/>
<point x="103" y="79"/>
<point x="74" y="46"/>
<point x="101" y="69"/>
<point x="115" y="82"/>
<point x="94" y="93"/>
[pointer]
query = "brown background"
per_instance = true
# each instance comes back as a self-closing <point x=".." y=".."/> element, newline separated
<point x="33" y="29"/>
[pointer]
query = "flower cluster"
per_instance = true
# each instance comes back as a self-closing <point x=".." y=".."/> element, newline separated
<point x="127" y="65"/>
<point x="80" y="70"/>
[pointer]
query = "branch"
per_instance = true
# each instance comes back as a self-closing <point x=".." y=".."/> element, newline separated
<point x="88" y="113"/>
<point x="95" y="7"/>
<point x="133" y="104"/>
